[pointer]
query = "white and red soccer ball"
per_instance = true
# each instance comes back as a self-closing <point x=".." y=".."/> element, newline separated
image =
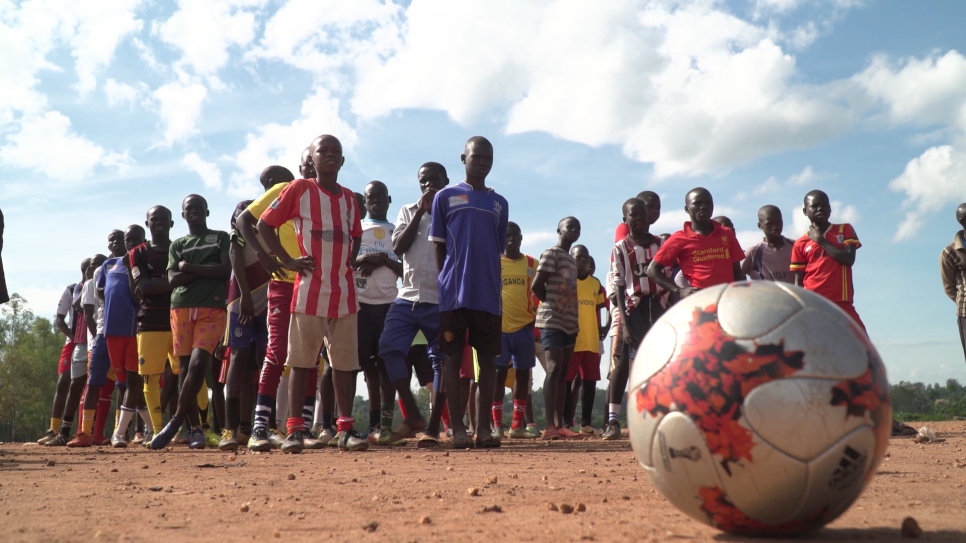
<point x="759" y="408"/>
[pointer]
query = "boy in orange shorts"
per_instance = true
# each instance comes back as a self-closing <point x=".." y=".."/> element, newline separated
<point x="198" y="271"/>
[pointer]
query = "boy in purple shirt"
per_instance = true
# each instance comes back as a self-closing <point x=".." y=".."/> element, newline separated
<point x="469" y="229"/>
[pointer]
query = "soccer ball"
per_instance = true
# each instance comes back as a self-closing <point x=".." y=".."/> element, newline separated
<point x="759" y="408"/>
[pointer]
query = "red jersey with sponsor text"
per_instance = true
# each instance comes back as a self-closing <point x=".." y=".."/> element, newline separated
<point x="705" y="261"/>
<point x="823" y="274"/>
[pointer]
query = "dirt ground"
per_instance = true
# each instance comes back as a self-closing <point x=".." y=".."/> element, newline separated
<point x="407" y="494"/>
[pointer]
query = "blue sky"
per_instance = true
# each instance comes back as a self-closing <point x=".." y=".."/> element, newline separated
<point x="107" y="109"/>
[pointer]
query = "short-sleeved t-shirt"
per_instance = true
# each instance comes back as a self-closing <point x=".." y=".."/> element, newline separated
<point x="823" y="274"/>
<point x="255" y="273"/>
<point x="380" y="286"/>
<point x="325" y="225"/>
<point x="286" y="232"/>
<point x="518" y="308"/>
<point x="559" y="309"/>
<point x="590" y="294"/>
<point x="120" y="310"/>
<point x="472" y="223"/>
<point x="766" y="263"/>
<point x="420" y="280"/>
<point x="154" y="312"/>
<point x="211" y="247"/>
<point x="705" y="261"/>
<point x="64" y="306"/>
<point x="629" y="262"/>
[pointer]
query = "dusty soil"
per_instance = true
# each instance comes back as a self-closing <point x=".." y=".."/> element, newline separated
<point x="408" y="494"/>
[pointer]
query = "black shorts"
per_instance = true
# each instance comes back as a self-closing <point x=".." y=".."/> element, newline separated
<point x="422" y="366"/>
<point x="372" y="319"/>
<point x="640" y="319"/>
<point x="485" y="332"/>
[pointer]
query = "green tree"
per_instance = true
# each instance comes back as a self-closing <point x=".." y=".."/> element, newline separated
<point x="29" y="350"/>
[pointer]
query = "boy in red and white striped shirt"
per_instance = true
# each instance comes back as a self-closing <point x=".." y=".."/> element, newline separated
<point x="327" y="224"/>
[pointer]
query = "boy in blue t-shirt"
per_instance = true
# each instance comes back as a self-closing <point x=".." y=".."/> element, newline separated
<point x="469" y="229"/>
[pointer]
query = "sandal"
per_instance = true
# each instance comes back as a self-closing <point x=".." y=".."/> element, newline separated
<point x="427" y="442"/>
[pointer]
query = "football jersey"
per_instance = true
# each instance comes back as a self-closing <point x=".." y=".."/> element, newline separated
<point x="154" y="312"/>
<point x="589" y="296"/>
<point x="629" y="262"/>
<point x="472" y="223"/>
<point x="120" y="311"/>
<point x="518" y="307"/>
<point x="286" y="232"/>
<point x="255" y="274"/>
<point x="705" y="261"/>
<point x="211" y="247"/>
<point x="380" y="286"/>
<point x="823" y="274"/>
<point x="64" y="306"/>
<point x="325" y="225"/>
<point x="763" y="262"/>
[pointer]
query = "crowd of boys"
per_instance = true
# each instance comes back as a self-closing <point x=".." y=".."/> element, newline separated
<point x="313" y="284"/>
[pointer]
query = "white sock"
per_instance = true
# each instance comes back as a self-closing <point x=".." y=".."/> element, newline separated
<point x="124" y="420"/>
<point x="146" y="417"/>
<point x="613" y="412"/>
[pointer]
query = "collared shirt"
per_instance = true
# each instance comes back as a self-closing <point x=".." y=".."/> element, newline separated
<point x="823" y="274"/>
<point x="952" y="268"/>
<point x="420" y="280"/>
<point x="120" y="309"/>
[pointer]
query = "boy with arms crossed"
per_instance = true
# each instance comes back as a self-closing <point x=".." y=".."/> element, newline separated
<point x="469" y="230"/>
<point x="198" y="271"/>
<point x="557" y="319"/>
<point x="325" y="310"/>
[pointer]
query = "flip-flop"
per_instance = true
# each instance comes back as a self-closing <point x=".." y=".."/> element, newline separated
<point x="464" y="443"/>
<point x="427" y="442"/>
<point x="405" y="432"/>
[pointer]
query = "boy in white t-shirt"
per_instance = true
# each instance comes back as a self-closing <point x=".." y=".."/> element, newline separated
<point x="376" y="271"/>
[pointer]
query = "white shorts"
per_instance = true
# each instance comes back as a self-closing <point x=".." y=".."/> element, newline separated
<point x="78" y="361"/>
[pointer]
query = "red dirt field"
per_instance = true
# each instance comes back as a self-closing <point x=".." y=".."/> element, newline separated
<point x="407" y="494"/>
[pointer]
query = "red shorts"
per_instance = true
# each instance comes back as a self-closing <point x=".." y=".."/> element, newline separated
<point x="66" y="353"/>
<point x="850" y="311"/>
<point x="123" y="352"/>
<point x="586" y="364"/>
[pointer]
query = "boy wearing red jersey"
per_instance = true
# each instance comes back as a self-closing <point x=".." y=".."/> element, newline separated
<point x="822" y="258"/>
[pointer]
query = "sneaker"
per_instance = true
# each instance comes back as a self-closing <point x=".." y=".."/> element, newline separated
<point x="521" y="433"/>
<point x="372" y="436"/>
<point x="336" y="439"/>
<point x="58" y="441"/>
<point x="211" y="438"/>
<point x="183" y="438"/>
<point x="138" y="438"/>
<point x="317" y="429"/>
<point x="612" y="432"/>
<point x="551" y="433"/>
<point x="118" y="442"/>
<point x="47" y="437"/>
<point x="259" y="441"/>
<point x="310" y="442"/>
<point x="229" y="442"/>
<point x="164" y="437"/>
<point x="276" y="438"/>
<point x="498" y="433"/>
<point x="326" y="436"/>
<point x="198" y="439"/>
<point x="148" y="436"/>
<point x="532" y="432"/>
<point x="385" y="437"/>
<point x="352" y="441"/>
<point x="567" y="433"/>
<point x="294" y="443"/>
<point x="102" y="441"/>
<point x="81" y="440"/>
<point x="589" y="430"/>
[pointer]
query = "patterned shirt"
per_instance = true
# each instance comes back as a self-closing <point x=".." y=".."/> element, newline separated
<point x="325" y="224"/>
<point x="823" y="274"/>
<point x="559" y="309"/>
<point x="255" y="273"/>
<point x="629" y="261"/>
<point x="952" y="268"/>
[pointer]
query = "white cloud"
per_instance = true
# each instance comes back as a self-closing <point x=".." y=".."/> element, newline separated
<point x="41" y="138"/>
<point x="841" y="213"/>
<point x="747" y="238"/>
<point x="931" y="181"/>
<point x="919" y="92"/>
<point x="648" y="79"/>
<point x="539" y="240"/>
<point x="276" y="143"/>
<point x="179" y="106"/>
<point x="209" y="172"/>
<point x="101" y="26"/>
<point x="119" y="94"/>
<point x="204" y="30"/>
